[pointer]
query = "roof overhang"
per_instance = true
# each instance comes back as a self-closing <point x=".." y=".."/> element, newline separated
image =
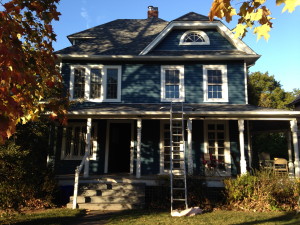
<point x="249" y="59"/>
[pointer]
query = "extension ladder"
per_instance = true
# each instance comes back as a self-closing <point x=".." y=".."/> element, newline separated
<point x="177" y="160"/>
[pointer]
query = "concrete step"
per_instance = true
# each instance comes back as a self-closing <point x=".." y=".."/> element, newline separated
<point x="107" y="206"/>
<point x="108" y="192"/>
<point x="114" y="186"/>
<point x="110" y="199"/>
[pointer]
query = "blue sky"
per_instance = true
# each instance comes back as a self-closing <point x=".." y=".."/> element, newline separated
<point x="280" y="55"/>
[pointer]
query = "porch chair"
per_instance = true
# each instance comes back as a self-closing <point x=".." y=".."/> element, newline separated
<point x="280" y="166"/>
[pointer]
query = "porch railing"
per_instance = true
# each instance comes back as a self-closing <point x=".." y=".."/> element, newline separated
<point x="83" y="162"/>
<point x="76" y="181"/>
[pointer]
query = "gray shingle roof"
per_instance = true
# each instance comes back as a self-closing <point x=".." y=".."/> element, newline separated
<point x="192" y="16"/>
<point x="119" y="37"/>
<point x="163" y="108"/>
<point x="296" y="101"/>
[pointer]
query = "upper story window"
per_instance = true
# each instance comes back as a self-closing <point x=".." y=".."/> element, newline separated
<point x="197" y="37"/>
<point x="215" y="84"/>
<point x="95" y="83"/>
<point x="172" y="83"/>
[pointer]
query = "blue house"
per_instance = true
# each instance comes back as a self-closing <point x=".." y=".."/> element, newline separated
<point x="123" y="77"/>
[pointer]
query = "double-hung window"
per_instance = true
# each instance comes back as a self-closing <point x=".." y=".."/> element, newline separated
<point x="215" y="83"/>
<point x="172" y="83"/>
<point x="74" y="142"/>
<point x="95" y="83"/>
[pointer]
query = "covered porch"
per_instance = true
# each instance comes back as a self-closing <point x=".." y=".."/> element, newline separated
<point x="140" y="129"/>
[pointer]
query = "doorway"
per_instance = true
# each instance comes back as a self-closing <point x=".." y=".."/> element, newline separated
<point x="118" y="151"/>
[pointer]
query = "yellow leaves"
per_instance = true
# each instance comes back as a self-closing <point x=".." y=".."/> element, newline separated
<point x="240" y="30"/>
<point x="290" y="5"/>
<point x="222" y="8"/>
<point x="263" y="31"/>
<point x="19" y="36"/>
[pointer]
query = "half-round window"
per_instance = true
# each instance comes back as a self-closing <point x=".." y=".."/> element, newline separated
<point x="194" y="38"/>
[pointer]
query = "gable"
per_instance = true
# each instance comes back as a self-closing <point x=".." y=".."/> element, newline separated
<point x="172" y="42"/>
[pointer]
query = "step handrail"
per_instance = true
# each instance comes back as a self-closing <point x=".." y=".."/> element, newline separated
<point x="83" y="161"/>
<point x="76" y="181"/>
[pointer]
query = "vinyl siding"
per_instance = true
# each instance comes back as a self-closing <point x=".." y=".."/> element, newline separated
<point x="171" y="42"/>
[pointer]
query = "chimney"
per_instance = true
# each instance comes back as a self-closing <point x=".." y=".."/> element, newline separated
<point x="152" y="12"/>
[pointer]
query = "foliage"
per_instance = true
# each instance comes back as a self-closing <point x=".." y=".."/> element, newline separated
<point x="264" y="90"/>
<point x="28" y="70"/>
<point x="262" y="191"/>
<point x="25" y="178"/>
<point x="251" y="14"/>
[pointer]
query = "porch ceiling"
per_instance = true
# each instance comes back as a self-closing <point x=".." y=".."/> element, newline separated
<point x="161" y="110"/>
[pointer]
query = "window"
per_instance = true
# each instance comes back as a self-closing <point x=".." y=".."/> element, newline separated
<point x="215" y="84"/>
<point x="217" y="144"/>
<point x="172" y="83"/>
<point x="73" y="143"/>
<point x="194" y="38"/>
<point x="95" y="83"/>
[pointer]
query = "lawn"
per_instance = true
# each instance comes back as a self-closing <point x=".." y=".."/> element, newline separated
<point x="67" y="216"/>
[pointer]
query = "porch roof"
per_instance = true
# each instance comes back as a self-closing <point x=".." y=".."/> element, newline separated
<point x="191" y="110"/>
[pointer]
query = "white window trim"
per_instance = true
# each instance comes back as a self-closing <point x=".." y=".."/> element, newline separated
<point x="118" y="99"/>
<point x="88" y="80"/>
<point x="200" y="32"/>
<point x="63" y="146"/>
<point x="223" y="69"/>
<point x="227" y="155"/>
<point x="181" y="83"/>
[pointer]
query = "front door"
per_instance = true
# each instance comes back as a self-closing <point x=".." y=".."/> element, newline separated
<point x="119" y="147"/>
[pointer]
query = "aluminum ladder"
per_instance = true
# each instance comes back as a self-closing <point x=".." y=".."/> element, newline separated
<point x="178" y="183"/>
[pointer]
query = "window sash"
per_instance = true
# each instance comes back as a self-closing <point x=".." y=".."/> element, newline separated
<point x="79" y="82"/>
<point x="172" y="83"/>
<point x="95" y="83"/>
<point x="112" y="83"/>
<point x="74" y="142"/>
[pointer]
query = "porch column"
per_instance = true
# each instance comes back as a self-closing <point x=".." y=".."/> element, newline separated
<point x="243" y="163"/>
<point x="291" y="164"/>
<point x="138" y="148"/>
<point x="294" y="130"/>
<point x="189" y="139"/>
<point x="249" y="145"/>
<point x="87" y="147"/>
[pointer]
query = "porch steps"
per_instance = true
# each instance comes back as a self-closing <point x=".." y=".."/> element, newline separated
<point x="110" y="196"/>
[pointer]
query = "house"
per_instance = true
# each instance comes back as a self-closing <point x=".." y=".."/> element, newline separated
<point x="123" y="77"/>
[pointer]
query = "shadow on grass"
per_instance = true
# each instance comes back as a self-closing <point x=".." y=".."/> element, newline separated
<point x="289" y="219"/>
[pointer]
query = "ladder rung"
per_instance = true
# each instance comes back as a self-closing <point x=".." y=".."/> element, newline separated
<point x="179" y="189"/>
<point x="178" y="199"/>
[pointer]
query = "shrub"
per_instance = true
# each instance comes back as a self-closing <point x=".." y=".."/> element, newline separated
<point x="262" y="191"/>
<point x="25" y="178"/>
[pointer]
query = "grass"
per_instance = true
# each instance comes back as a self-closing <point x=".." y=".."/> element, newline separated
<point x="67" y="216"/>
<point x="45" y="217"/>
<point x="216" y="217"/>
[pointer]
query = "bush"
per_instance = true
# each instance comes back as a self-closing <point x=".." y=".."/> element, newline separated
<point x="262" y="191"/>
<point x="26" y="181"/>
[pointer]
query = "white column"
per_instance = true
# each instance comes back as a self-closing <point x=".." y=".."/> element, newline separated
<point x="189" y="139"/>
<point x="87" y="147"/>
<point x="243" y="163"/>
<point x="294" y="130"/>
<point x="289" y="142"/>
<point x="138" y="148"/>
<point x="249" y="145"/>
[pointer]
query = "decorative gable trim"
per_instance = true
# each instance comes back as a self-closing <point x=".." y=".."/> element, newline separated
<point x="224" y="31"/>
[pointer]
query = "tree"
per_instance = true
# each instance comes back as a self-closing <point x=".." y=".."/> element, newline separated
<point x="251" y="13"/>
<point x="30" y="82"/>
<point x="265" y="91"/>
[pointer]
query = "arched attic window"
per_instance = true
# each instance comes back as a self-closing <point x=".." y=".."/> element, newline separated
<point x="197" y="37"/>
